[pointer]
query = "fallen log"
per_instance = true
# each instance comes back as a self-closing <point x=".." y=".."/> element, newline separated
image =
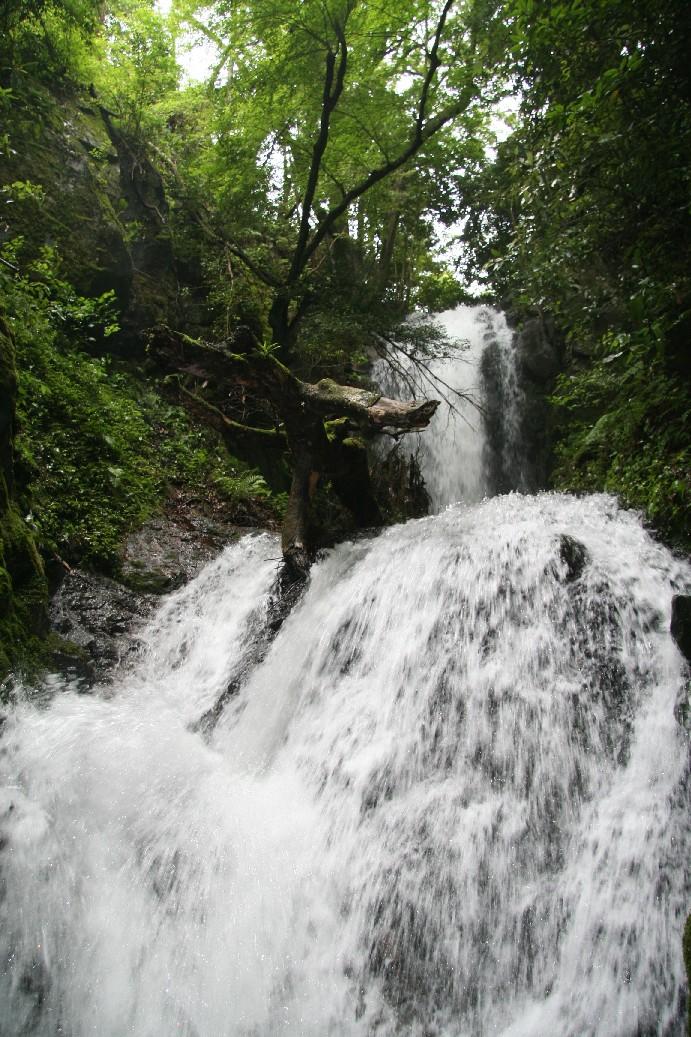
<point x="302" y="409"/>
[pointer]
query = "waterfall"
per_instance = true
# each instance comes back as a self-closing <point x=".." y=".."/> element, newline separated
<point x="474" y="447"/>
<point x="451" y="800"/>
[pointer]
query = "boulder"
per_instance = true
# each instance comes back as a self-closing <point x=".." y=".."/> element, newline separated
<point x="537" y="354"/>
<point x="680" y="626"/>
<point x="170" y="548"/>
<point x="574" y="555"/>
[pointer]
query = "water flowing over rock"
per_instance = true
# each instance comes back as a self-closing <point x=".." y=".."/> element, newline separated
<point x="450" y="800"/>
<point x="476" y="444"/>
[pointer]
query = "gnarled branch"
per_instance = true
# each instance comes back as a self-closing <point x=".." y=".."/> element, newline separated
<point x="317" y="453"/>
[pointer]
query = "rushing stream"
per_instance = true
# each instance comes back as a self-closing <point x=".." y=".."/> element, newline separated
<point x="451" y="800"/>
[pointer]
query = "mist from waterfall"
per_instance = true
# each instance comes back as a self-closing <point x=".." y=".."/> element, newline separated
<point x="451" y="801"/>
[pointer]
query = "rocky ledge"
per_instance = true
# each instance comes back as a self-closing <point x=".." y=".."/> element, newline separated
<point x="97" y="617"/>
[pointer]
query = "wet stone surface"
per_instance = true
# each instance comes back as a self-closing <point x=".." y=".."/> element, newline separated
<point x="99" y="616"/>
<point x="169" y="550"/>
<point x="681" y="624"/>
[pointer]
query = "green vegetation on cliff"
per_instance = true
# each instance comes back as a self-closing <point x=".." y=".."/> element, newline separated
<point x="23" y="586"/>
<point x="585" y="216"/>
<point x="97" y="445"/>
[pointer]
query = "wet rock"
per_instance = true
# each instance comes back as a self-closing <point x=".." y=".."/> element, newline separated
<point x="170" y="549"/>
<point x="574" y="555"/>
<point x="97" y="617"/>
<point x="537" y="354"/>
<point x="680" y="626"/>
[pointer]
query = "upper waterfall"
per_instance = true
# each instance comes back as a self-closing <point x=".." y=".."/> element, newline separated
<point x="474" y="447"/>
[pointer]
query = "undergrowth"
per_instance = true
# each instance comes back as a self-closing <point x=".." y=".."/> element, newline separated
<point x="98" y="447"/>
<point x="625" y="427"/>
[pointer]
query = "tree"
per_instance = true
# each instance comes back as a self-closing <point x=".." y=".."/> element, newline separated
<point x="319" y="109"/>
<point x="306" y="412"/>
<point x="339" y="129"/>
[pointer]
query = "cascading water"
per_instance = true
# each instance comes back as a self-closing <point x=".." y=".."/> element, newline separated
<point x="474" y="446"/>
<point x="451" y="800"/>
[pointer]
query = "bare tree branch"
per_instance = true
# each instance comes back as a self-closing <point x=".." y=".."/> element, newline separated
<point x="334" y="79"/>
<point x="259" y="271"/>
<point x="423" y="130"/>
<point x="325" y="226"/>
<point x="434" y="64"/>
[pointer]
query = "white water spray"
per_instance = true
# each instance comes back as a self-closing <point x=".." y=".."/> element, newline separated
<point x="451" y="801"/>
<point x="458" y="459"/>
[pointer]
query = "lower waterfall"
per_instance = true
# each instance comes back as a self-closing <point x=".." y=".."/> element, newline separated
<point x="452" y="799"/>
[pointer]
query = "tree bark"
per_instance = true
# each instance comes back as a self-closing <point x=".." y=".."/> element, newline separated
<point x="303" y="409"/>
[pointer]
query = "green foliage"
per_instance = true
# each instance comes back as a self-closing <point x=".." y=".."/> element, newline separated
<point x="242" y="485"/>
<point x="439" y="290"/>
<point x="137" y="70"/>
<point x="47" y="40"/>
<point x="23" y="591"/>
<point x="97" y="448"/>
<point x="584" y="215"/>
<point x="23" y="587"/>
<point x="188" y="455"/>
<point x="627" y="429"/>
<point x="271" y="163"/>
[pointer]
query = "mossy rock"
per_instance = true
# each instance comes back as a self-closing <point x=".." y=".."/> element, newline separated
<point x="152" y="581"/>
<point x="103" y="206"/>
<point x="79" y="210"/>
<point x="23" y="584"/>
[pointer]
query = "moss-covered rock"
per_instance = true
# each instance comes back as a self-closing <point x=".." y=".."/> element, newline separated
<point x="90" y="194"/>
<point x="23" y="585"/>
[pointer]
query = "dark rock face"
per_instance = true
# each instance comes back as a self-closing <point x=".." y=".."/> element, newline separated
<point x="509" y="453"/>
<point x="74" y="162"/>
<point x="503" y="452"/>
<point x="537" y="354"/>
<point x="105" y="211"/>
<point x="99" y="617"/>
<point x="538" y="361"/>
<point x="23" y="585"/>
<point x="399" y="486"/>
<point x="680" y="626"/>
<point x="574" y="555"/>
<point x="170" y="549"/>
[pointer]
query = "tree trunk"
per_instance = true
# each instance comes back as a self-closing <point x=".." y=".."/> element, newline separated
<point x="340" y="457"/>
<point x="298" y="532"/>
